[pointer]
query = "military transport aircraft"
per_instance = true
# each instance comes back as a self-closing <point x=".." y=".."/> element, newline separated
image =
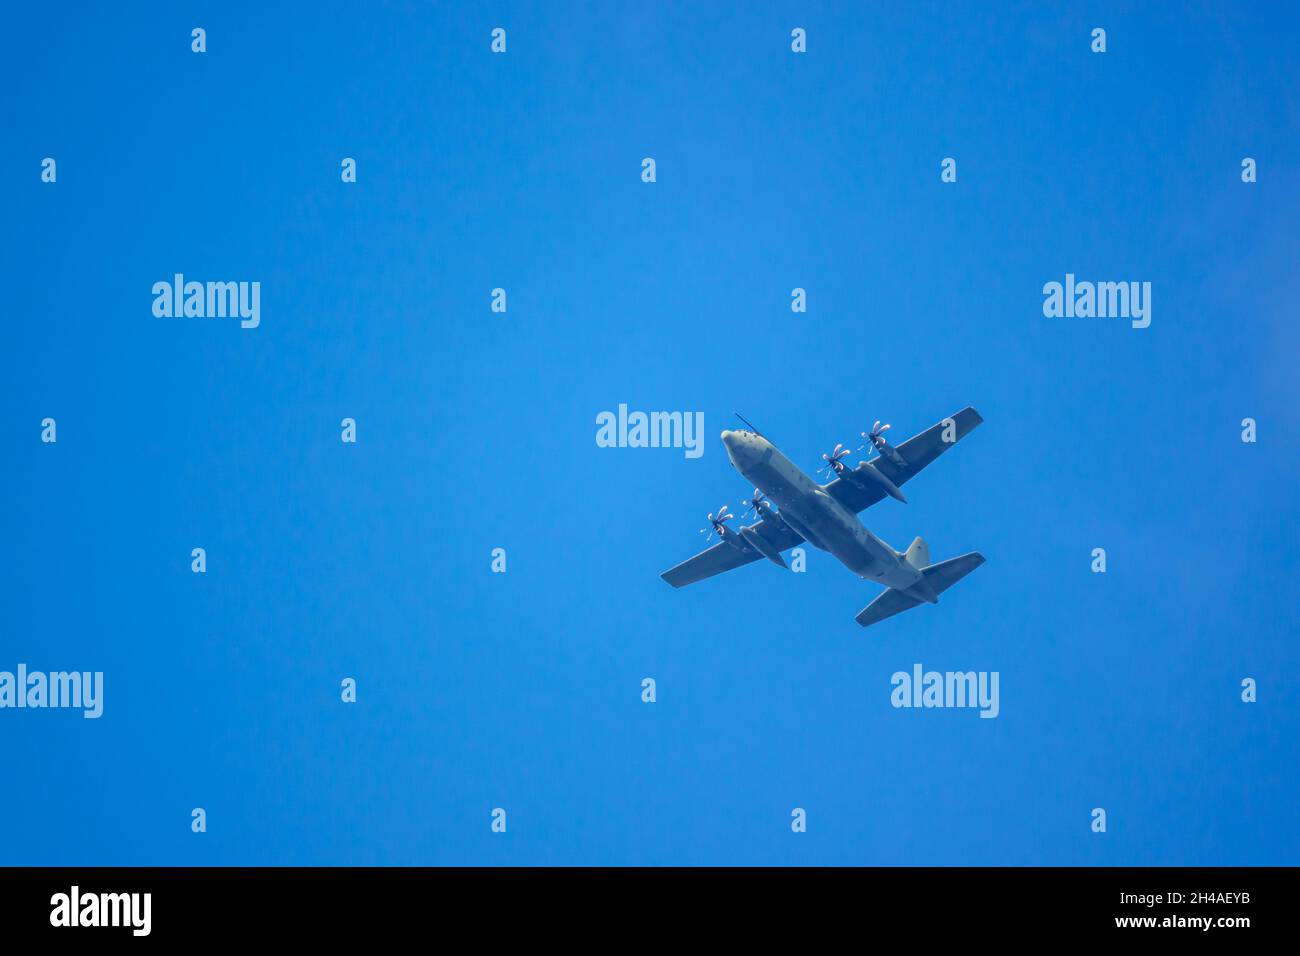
<point x="826" y="516"/>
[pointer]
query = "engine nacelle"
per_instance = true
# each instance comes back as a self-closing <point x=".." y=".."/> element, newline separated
<point x="762" y="547"/>
<point x="767" y="512"/>
<point x="871" y="475"/>
<point x="889" y="451"/>
<point x="732" y="538"/>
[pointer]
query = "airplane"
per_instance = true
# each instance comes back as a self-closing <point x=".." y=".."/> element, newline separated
<point x="826" y="516"/>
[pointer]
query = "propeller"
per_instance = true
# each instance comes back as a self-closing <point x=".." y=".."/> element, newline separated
<point x="754" y="502"/>
<point x="834" y="461"/>
<point x="716" y="522"/>
<point x="876" y="439"/>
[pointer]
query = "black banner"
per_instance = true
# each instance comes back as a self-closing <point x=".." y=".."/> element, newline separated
<point x="333" y="905"/>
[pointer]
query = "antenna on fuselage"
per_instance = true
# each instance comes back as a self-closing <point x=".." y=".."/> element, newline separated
<point x="751" y="427"/>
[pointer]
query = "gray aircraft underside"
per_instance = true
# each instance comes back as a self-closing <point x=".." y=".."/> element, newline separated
<point x="826" y="517"/>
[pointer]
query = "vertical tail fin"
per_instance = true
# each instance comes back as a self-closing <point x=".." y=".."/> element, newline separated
<point x="918" y="554"/>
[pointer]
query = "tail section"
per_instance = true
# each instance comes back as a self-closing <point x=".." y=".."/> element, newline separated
<point x="938" y="578"/>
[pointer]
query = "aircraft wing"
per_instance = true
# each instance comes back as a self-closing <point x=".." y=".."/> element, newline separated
<point x="724" y="556"/>
<point x="918" y="451"/>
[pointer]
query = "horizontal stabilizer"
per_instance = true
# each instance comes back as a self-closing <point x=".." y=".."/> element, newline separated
<point x="940" y="577"/>
<point x="945" y="574"/>
<point x="888" y="604"/>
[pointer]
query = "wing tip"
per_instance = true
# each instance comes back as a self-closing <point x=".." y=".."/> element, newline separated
<point x="671" y="576"/>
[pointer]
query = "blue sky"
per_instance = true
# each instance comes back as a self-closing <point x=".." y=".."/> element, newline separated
<point x="476" y="430"/>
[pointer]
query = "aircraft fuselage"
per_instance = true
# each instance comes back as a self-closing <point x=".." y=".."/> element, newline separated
<point x="819" y="518"/>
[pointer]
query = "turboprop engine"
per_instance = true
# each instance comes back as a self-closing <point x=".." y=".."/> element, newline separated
<point x="869" y="473"/>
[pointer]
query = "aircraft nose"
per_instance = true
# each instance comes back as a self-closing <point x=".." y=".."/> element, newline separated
<point x="737" y="445"/>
